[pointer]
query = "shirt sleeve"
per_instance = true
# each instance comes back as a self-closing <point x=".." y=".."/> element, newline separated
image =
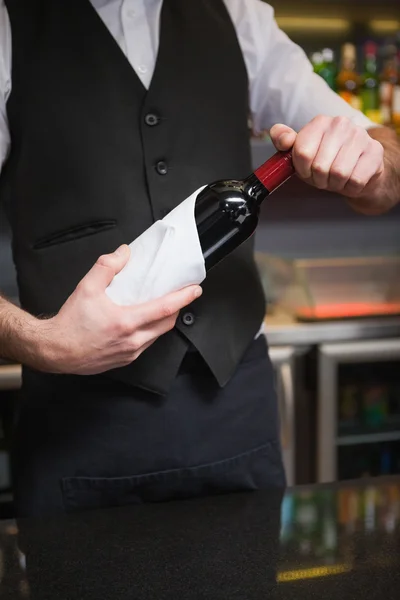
<point x="283" y="85"/>
<point x="5" y="81"/>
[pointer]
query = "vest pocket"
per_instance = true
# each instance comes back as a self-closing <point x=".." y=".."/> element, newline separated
<point x="256" y="469"/>
<point x="57" y="263"/>
<point x="74" y="233"/>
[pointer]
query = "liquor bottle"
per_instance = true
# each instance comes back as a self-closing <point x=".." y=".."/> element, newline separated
<point x="328" y="70"/>
<point x="226" y="212"/>
<point x="317" y="62"/>
<point x="396" y="99"/>
<point x="389" y="80"/>
<point x="375" y="405"/>
<point x="370" y="84"/>
<point x="324" y="65"/>
<point x="348" y="81"/>
<point x="349" y="409"/>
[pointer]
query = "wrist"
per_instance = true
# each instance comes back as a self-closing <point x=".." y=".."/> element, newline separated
<point x="29" y="340"/>
<point x="381" y="194"/>
<point x="31" y="343"/>
<point x="17" y="333"/>
<point x="45" y="346"/>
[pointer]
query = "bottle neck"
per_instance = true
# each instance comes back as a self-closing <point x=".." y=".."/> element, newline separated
<point x="272" y="174"/>
<point x="254" y="189"/>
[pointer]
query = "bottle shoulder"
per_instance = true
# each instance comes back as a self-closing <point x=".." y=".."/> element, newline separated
<point x="231" y="189"/>
<point x="234" y="200"/>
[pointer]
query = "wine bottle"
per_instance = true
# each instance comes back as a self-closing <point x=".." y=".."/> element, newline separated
<point x="226" y="212"/>
<point x="220" y="216"/>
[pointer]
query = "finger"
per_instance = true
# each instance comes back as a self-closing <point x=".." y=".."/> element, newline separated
<point x="337" y="155"/>
<point x="104" y="270"/>
<point x="143" y="337"/>
<point x="369" y="167"/>
<point x="160" y="327"/>
<point x="282" y="136"/>
<point x="137" y="353"/>
<point x="343" y="166"/>
<point x="165" y="307"/>
<point x="307" y="144"/>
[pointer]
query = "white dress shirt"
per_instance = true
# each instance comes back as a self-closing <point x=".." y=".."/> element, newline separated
<point x="283" y="86"/>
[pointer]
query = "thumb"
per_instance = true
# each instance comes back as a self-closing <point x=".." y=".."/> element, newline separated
<point x="106" y="267"/>
<point x="283" y="137"/>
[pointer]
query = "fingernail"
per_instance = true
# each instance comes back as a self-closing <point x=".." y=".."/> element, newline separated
<point x="198" y="292"/>
<point x="281" y="138"/>
<point x="121" y="250"/>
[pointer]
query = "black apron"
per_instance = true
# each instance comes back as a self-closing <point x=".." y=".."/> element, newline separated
<point x="88" y="442"/>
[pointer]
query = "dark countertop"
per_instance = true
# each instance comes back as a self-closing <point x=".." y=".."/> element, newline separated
<point x="333" y="542"/>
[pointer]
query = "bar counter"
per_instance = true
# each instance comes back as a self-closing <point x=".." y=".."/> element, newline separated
<point x="283" y="329"/>
<point x="332" y="542"/>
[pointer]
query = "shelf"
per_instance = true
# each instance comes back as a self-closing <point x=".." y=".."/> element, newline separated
<point x="284" y="4"/>
<point x="332" y="7"/>
<point x="357" y="427"/>
<point x="367" y="438"/>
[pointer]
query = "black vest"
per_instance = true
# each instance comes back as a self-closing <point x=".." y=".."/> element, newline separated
<point x="86" y="171"/>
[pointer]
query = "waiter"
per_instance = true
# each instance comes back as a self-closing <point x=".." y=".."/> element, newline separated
<point x="111" y="113"/>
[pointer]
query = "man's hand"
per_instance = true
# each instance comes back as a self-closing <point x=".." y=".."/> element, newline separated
<point x="331" y="153"/>
<point x="91" y="334"/>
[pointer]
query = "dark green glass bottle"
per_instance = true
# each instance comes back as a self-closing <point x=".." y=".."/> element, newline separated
<point x="370" y="96"/>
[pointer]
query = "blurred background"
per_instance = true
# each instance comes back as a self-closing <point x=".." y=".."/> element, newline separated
<point x="331" y="276"/>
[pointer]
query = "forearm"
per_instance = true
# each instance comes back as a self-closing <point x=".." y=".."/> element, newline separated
<point x="19" y="334"/>
<point x="382" y="194"/>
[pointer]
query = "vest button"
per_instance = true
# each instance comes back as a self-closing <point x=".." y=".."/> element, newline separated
<point x="151" y="120"/>
<point x="188" y="319"/>
<point x="162" y="167"/>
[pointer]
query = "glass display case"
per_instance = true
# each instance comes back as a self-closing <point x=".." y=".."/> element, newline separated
<point x="358" y="409"/>
<point x="333" y="288"/>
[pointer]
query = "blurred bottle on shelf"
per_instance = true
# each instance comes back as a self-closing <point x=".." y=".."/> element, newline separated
<point x="389" y="81"/>
<point x="386" y="461"/>
<point x="348" y="81"/>
<point x="349" y="405"/>
<point x="370" y="98"/>
<point x="375" y="405"/>
<point x="329" y="70"/>
<point x="396" y="98"/>
<point x="317" y="62"/>
<point x="324" y="65"/>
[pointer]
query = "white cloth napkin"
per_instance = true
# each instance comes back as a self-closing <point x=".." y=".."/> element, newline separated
<point x="165" y="258"/>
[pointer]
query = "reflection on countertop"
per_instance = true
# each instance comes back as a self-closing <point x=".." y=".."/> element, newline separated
<point x="339" y="541"/>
